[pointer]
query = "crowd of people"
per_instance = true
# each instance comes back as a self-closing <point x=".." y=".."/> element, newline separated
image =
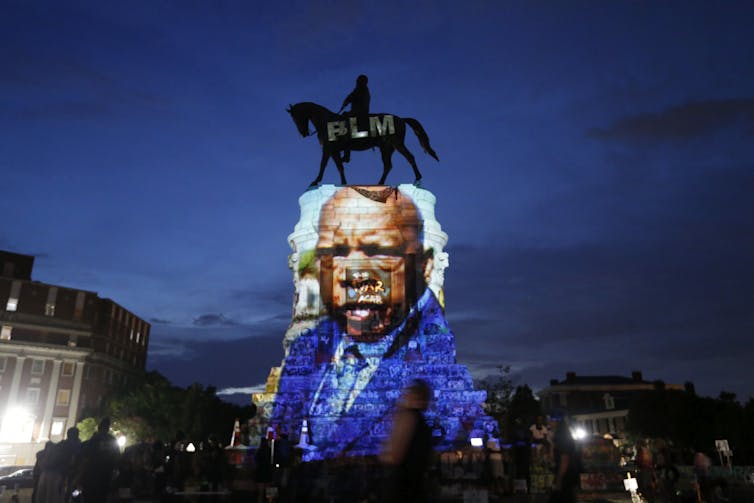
<point x="96" y="471"/>
<point x="659" y="478"/>
<point x="68" y="469"/>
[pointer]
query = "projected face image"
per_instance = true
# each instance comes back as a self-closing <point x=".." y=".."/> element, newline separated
<point x="369" y="252"/>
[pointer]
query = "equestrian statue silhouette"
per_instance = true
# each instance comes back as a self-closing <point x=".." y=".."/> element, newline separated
<point x="337" y="133"/>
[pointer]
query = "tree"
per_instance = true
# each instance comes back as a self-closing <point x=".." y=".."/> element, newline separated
<point x="157" y="410"/>
<point x="523" y="405"/>
<point x="693" y="422"/>
<point x="87" y="427"/>
<point x="505" y="402"/>
<point x="499" y="388"/>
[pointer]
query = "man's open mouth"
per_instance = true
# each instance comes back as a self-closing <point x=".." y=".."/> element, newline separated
<point x="366" y="290"/>
<point x="363" y="309"/>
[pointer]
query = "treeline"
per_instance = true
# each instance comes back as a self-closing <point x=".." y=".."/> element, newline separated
<point x="693" y="422"/>
<point x="155" y="409"/>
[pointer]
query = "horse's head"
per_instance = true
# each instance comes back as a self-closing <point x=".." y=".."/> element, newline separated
<point x="300" y="119"/>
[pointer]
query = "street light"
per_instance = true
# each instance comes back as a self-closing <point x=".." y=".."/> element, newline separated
<point x="578" y="433"/>
<point x="17" y="425"/>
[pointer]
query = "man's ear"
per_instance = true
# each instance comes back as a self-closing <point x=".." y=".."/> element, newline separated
<point x="427" y="264"/>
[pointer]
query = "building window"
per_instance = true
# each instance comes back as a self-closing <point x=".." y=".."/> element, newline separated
<point x="32" y="396"/>
<point x="5" y="332"/>
<point x="562" y="398"/>
<point x="64" y="397"/>
<point x="78" y="309"/>
<point x="609" y="401"/>
<point x="52" y="294"/>
<point x="57" y="428"/>
<point x="37" y="367"/>
<point x="8" y="269"/>
<point x="15" y="290"/>
<point x="67" y="369"/>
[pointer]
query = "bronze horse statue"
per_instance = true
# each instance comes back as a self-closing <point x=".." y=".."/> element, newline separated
<point x="335" y="132"/>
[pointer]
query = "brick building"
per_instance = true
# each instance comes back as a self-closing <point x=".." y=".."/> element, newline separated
<point x="599" y="404"/>
<point x="62" y="352"/>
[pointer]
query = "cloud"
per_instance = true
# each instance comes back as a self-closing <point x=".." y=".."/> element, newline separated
<point x="248" y="390"/>
<point x="172" y="349"/>
<point x="159" y="321"/>
<point x="223" y="363"/>
<point x="688" y="120"/>
<point x="672" y="300"/>
<point x="208" y="320"/>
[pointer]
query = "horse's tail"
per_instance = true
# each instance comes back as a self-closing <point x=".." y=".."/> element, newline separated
<point x="422" y="135"/>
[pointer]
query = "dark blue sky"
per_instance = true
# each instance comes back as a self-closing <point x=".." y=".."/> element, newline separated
<point x="596" y="174"/>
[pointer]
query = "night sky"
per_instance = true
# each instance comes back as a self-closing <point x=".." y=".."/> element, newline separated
<point x="596" y="173"/>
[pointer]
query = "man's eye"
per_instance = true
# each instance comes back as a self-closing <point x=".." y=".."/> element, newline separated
<point x="341" y="250"/>
<point x="370" y="250"/>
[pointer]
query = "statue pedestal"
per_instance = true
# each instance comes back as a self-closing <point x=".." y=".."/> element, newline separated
<point x="368" y="269"/>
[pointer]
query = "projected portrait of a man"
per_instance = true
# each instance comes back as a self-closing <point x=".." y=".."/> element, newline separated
<point x="344" y="373"/>
<point x="371" y="261"/>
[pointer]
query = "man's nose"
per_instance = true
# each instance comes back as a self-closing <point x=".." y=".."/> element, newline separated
<point x="356" y="254"/>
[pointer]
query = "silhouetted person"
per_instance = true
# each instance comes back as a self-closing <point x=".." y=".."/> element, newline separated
<point x="263" y="468"/>
<point x="521" y="452"/>
<point x="178" y="464"/>
<point x="158" y="468"/>
<point x="99" y="457"/>
<point x="70" y="451"/>
<point x="645" y="471"/>
<point x="567" y="464"/>
<point x="56" y="466"/>
<point x="359" y="100"/>
<point x="409" y="450"/>
<point x="213" y="463"/>
<point x="39" y="466"/>
<point x="283" y="454"/>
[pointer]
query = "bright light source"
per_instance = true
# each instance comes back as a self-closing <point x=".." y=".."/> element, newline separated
<point x="57" y="428"/>
<point x="578" y="433"/>
<point x="121" y="441"/>
<point x="190" y="447"/>
<point x="17" y="426"/>
<point x="476" y="442"/>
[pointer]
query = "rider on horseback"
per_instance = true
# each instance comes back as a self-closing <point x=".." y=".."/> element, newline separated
<point x="359" y="100"/>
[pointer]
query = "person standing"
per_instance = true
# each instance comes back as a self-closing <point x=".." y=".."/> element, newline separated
<point x="99" y="457"/>
<point x="645" y="471"/>
<point x="409" y="449"/>
<point x="567" y="464"/>
<point x="263" y="468"/>
<point x="70" y="450"/>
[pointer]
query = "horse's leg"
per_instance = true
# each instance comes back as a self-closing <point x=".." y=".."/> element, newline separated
<point x="387" y="162"/>
<point x="322" y="164"/>
<point x="339" y="163"/>
<point x="410" y="158"/>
